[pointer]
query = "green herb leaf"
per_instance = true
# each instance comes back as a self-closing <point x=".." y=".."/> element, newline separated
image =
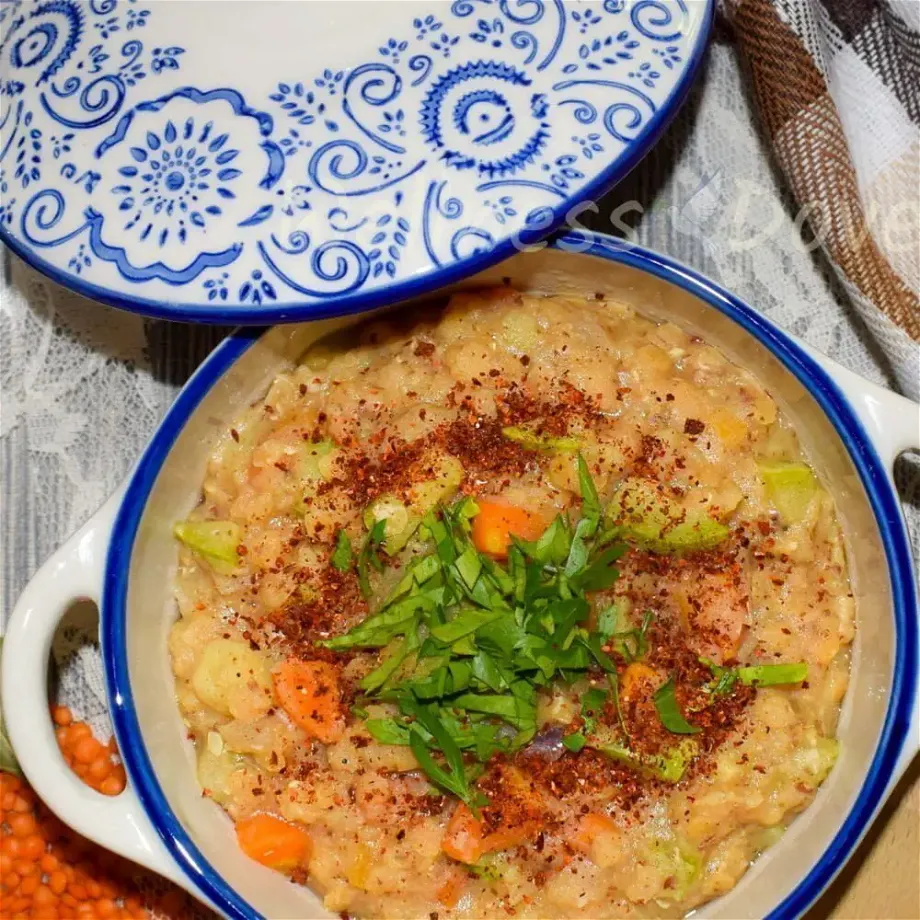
<point x="343" y="557"/>
<point x="470" y="641"/>
<point x="769" y="675"/>
<point x="762" y="675"/>
<point x="614" y="680"/>
<point x="609" y="620"/>
<point x="590" y="501"/>
<point x="578" y="551"/>
<point x="593" y="644"/>
<point x="669" y="712"/>
<point x="632" y="644"/>
<point x="515" y="711"/>
<point x="592" y="705"/>
<point x="368" y="555"/>
<point x="552" y="547"/>
<point x="464" y="623"/>
<point x="601" y="573"/>
<point x="452" y="779"/>
<point x="390" y="665"/>
<point x="377" y="630"/>
<point x="468" y="566"/>
<point x="388" y="731"/>
<point x="574" y="742"/>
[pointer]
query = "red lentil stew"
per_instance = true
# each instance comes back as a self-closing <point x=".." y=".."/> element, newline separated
<point x="530" y="607"/>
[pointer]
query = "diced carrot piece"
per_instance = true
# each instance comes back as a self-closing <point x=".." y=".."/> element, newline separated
<point x="506" y="837"/>
<point x="638" y="680"/>
<point x="451" y="888"/>
<point x="590" y="827"/>
<point x="466" y="842"/>
<point x="308" y="691"/>
<point x="463" y="839"/>
<point x="496" y="523"/>
<point x="274" y="842"/>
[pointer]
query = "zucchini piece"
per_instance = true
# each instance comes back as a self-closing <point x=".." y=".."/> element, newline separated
<point x="678" y="860"/>
<point x="316" y="462"/>
<point x="790" y="487"/>
<point x="656" y="522"/>
<point x="541" y="443"/>
<point x="402" y="519"/>
<point x="669" y="767"/>
<point x="440" y="489"/>
<point x="400" y="525"/>
<point x="215" y="541"/>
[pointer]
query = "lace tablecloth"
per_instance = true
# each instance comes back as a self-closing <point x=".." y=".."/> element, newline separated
<point x="83" y="385"/>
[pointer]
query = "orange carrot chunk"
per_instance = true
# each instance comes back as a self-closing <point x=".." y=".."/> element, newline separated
<point x="274" y="843"/>
<point x="496" y="523"/>
<point x="308" y="691"/>
<point x="463" y="838"/>
<point x="590" y="827"/>
<point x="450" y="890"/>
<point x="466" y="841"/>
<point x="638" y="681"/>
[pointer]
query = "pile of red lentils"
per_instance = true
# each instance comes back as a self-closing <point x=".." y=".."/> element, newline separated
<point x="49" y="872"/>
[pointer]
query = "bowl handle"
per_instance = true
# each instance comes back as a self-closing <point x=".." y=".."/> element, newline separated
<point x="893" y="424"/>
<point x="892" y="421"/>
<point x="74" y="572"/>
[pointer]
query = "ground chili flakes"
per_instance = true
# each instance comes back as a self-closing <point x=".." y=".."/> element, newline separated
<point x="337" y="607"/>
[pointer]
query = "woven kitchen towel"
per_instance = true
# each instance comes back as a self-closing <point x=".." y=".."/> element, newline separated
<point x="837" y="87"/>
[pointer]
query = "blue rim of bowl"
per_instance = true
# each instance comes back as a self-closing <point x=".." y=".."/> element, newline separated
<point x="404" y="290"/>
<point x="810" y="374"/>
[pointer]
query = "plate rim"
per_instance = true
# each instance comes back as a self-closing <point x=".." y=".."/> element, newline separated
<point x="414" y="286"/>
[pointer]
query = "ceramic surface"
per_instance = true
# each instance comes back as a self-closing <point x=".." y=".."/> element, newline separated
<point x="125" y="557"/>
<point x="263" y="161"/>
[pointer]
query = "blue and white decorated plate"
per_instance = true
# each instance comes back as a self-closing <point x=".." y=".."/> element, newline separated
<point x="263" y="161"/>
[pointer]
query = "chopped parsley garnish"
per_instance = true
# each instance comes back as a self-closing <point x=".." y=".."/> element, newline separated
<point x="343" y="556"/>
<point x="760" y="675"/>
<point x="368" y="555"/>
<point x="592" y="705"/>
<point x="468" y="642"/>
<point x="631" y="644"/>
<point x="669" y="712"/>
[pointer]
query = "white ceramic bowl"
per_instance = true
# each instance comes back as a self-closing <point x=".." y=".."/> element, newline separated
<point x="124" y="558"/>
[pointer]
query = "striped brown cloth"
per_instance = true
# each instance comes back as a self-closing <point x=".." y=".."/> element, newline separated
<point x="837" y="86"/>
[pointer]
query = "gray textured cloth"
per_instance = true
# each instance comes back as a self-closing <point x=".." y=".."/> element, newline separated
<point x="83" y="386"/>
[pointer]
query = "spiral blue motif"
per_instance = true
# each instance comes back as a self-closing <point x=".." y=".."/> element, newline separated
<point x="470" y="241"/>
<point x="481" y="116"/>
<point x="349" y="260"/>
<point x="525" y="41"/>
<point x="584" y="113"/>
<point x="377" y="85"/>
<point x="523" y="19"/>
<point x="455" y="130"/>
<point x="420" y="64"/>
<point x="587" y="113"/>
<point x="655" y="19"/>
<point x="102" y="99"/>
<point x="60" y="33"/>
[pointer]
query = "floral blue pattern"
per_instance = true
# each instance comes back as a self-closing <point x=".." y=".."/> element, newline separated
<point x="124" y="163"/>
